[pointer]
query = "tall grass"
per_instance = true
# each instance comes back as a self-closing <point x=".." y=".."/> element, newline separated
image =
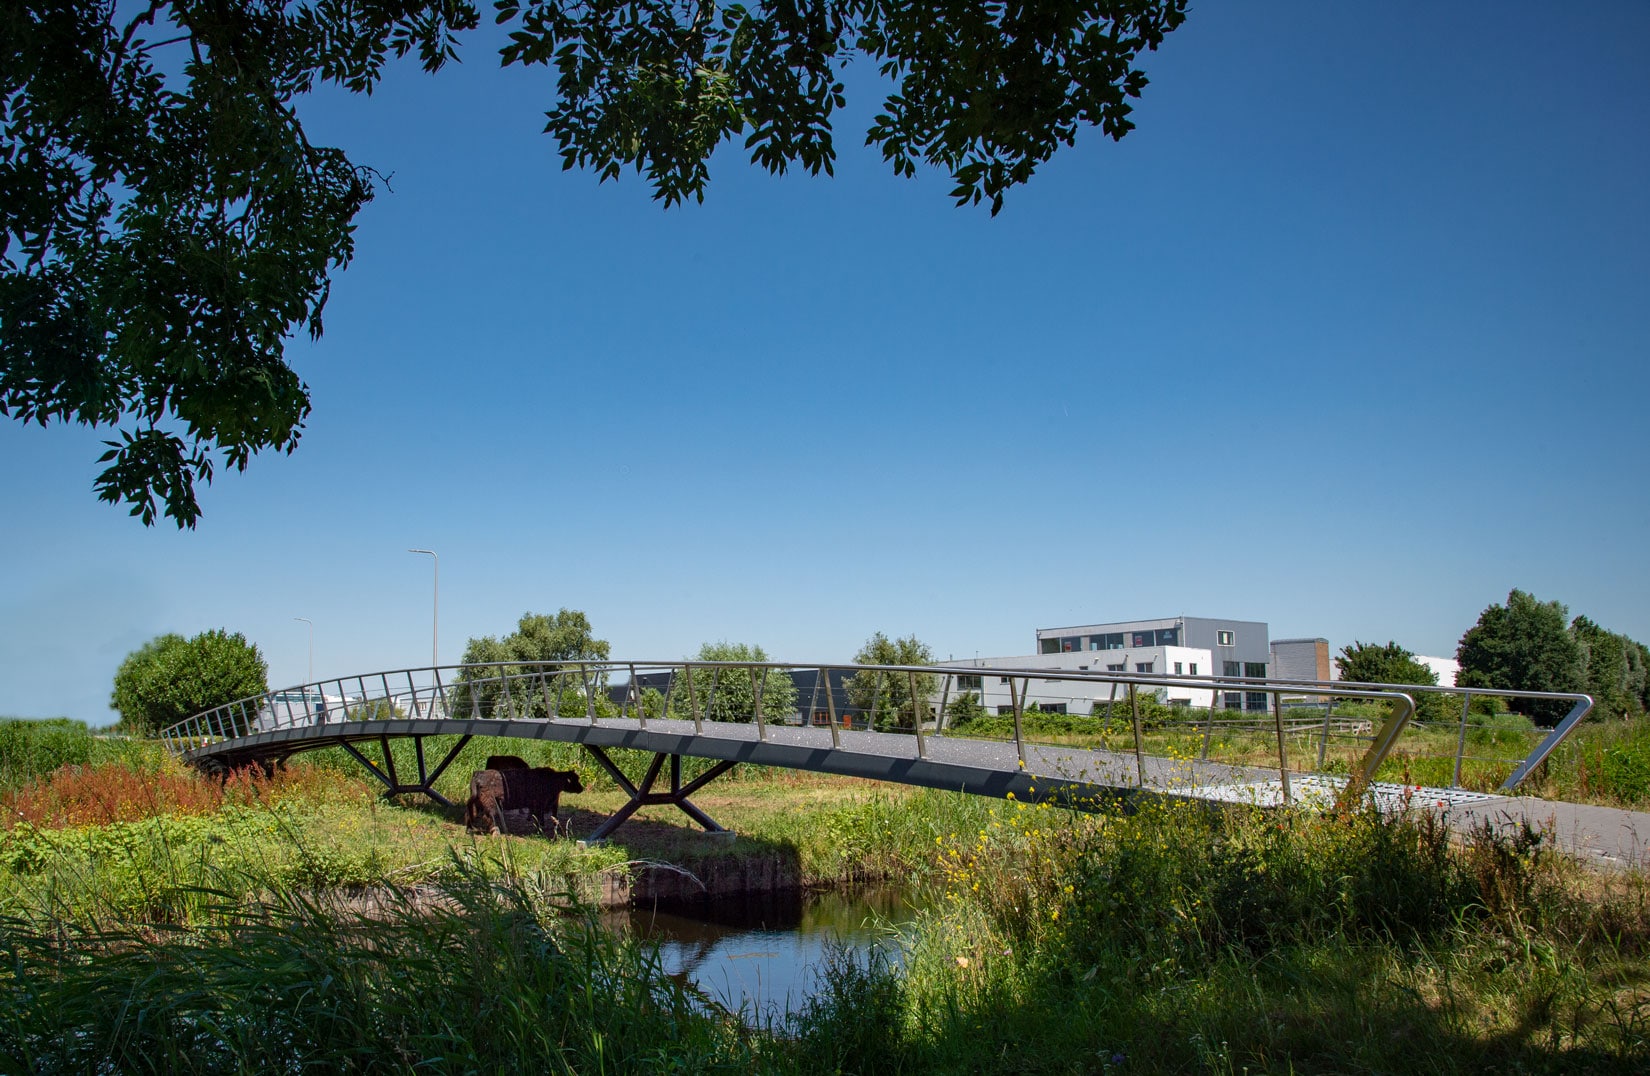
<point x="1181" y="939"/>
<point x="472" y="977"/>
<point x="31" y="749"/>
<point x="1603" y="762"/>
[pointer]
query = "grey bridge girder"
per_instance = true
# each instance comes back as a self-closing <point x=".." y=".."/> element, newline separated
<point x="1020" y="784"/>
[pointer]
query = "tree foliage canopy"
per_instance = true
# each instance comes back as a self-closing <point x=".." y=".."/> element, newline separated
<point x="1616" y="668"/>
<point x="887" y="696"/>
<point x="730" y="694"/>
<point x="538" y="640"/>
<point x="1525" y="645"/>
<point x="170" y="678"/>
<point x="1375" y="663"/>
<point x="166" y="224"/>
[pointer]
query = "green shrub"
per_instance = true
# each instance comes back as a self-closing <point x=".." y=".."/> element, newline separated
<point x="170" y="678"/>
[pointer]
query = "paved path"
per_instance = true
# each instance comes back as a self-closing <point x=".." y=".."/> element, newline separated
<point x="1607" y="836"/>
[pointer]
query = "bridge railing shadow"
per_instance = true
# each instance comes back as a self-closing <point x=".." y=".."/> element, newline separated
<point x="1152" y="729"/>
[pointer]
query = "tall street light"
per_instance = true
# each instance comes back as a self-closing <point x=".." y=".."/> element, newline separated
<point x="435" y="618"/>
<point x="311" y="624"/>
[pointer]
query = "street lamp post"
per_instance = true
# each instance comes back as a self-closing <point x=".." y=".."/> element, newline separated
<point x="311" y="624"/>
<point x="435" y="617"/>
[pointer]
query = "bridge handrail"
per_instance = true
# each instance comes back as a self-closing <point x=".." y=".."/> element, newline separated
<point x="1581" y="705"/>
<point x="337" y="698"/>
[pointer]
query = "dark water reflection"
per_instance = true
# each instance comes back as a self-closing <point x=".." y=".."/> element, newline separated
<point x="761" y="954"/>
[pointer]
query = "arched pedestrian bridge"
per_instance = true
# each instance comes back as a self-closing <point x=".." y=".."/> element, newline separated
<point x="1076" y="737"/>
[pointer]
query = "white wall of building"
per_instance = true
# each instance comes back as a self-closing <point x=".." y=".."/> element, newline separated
<point x="1446" y="669"/>
<point x="1078" y="696"/>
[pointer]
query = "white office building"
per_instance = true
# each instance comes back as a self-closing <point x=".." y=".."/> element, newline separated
<point x="1171" y="646"/>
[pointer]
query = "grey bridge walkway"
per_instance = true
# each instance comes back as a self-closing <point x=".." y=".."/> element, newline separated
<point x="516" y="701"/>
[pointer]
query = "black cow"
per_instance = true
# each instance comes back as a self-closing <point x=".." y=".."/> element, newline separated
<point x="537" y="791"/>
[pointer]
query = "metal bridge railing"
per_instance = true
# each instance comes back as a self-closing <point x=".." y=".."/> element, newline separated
<point x="1465" y="726"/>
<point x="846" y="698"/>
<point x="1297" y="728"/>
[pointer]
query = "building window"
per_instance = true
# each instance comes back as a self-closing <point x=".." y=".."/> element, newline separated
<point x="1051" y="646"/>
<point x="1231" y="668"/>
<point x="1177" y="668"/>
<point x="1096" y="642"/>
<point x="1194" y="668"/>
<point x="1231" y="700"/>
<point x="1168" y="637"/>
<point x="1255" y="700"/>
<point x="1114" y="641"/>
<point x="970" y="683"/>
<point x="1141" y="638"/>
<point x="1144" y="666"/>
<point x="1049" y="707"/>
<point x="1120" y="667"/>
<point x="1005" y="710"/>
<point x="1002" y="679"/>
<point x="1223" y="638"/>
<point x="1257" y="669"/>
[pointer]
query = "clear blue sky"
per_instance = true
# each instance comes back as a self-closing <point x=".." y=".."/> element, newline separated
<point x="1350" y="335"/>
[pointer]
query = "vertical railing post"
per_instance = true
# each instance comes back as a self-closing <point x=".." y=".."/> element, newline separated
<point x="693" y="700"/>
<point x="830" y="706"/>
<point x="756" y="695"/>
<point x="813" y="702"/>
<point x="589" y="692"/>
<point x="916" y="716"/>
<point x="876" y="699"/>
<point x="1019" y="707"/>
<point x="412" y="690"/>
<point x="1461" y="740"/>
<point x="1283" y="747"/>
<point x="1209" y="724"/>
<point x="1139" y="745"/>
<point x="1105" y="731"/>
<point x="509" y="696"/>
<point x="636" y="689"/>
<point x="710" y="699"/>
<point x="1323" y="741"/>
<point x="550" y="704"/>
<point x="945" y="695"/>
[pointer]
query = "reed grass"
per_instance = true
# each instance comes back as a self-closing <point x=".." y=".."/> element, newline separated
<point x="301" y="923"/>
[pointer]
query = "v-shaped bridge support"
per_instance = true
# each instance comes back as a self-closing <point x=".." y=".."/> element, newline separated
<point x="645" y="796"/>
<point x="393" y="785"/>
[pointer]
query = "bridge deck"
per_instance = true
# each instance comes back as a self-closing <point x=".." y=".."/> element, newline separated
<point x="982" y="767"/>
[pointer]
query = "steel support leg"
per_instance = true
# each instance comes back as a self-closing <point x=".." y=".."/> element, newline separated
<point x="644" y="796"/>
<point x="426" y="779"/>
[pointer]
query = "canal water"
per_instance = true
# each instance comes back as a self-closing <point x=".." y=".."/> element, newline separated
<point x="761" y="955"/>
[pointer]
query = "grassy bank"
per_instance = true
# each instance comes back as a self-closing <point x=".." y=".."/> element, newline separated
<point x="302" y="922"/>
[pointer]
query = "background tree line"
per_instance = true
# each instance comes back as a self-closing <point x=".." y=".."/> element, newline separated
<point x="1524" y="645"/>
